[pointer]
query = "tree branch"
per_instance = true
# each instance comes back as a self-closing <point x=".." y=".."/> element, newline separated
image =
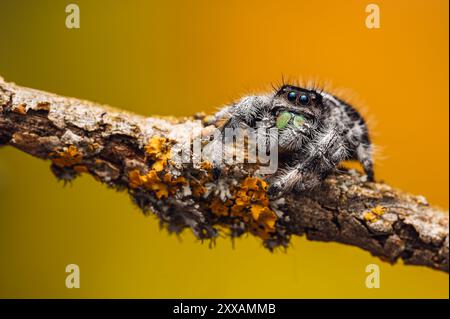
<point x="134" y="153"/>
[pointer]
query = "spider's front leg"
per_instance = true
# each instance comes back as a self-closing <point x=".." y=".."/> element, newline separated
<point x="241" y="115"/>
<point x="325" y="151"/>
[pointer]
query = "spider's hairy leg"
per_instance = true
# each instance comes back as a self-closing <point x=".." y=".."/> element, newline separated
<point x="355" y="130"/>
<point x="361" y="148"/>
<point x="364" y="156"/>
<point x="243" y="114"/>
<point x="325" y="151"/>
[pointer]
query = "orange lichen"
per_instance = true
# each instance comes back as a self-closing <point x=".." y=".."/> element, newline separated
<point x="155" y="145"/>
<point x="20" y="109"/>
<point x="174" y="184"/>
<point x="197" y="184"/>
<point x="158" y="150"/>
<point x="207" y="166"/>
<point x="219" y="208"/>
<point x="198" y="190"/>
<point x="162" y="184"/>
<point x="134" y="179"/>
<point x="374" y="214"/>
<point x="43" y="106"/>
<point x="69" y="156"/>
<point x="251" y="191"/>
<point x="151" y="181"/>
<point x="249" y="204"/>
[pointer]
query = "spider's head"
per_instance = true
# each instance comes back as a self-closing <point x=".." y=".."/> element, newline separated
<point x="297" y="112"/>
<point x="304" y="102"/>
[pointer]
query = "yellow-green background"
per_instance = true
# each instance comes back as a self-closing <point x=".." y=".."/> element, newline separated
<point x="180" y="57"/>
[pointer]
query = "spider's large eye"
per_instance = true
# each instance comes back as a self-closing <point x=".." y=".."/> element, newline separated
<point x="303" y="99"/>
<point x="283" y="119"/>
<point x="291" y="96"/>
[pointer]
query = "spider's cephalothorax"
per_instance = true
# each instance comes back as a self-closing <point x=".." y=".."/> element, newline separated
<point x="316" y="131"/>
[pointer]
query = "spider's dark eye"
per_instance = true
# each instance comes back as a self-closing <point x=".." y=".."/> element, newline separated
<point x="303" y="99"/>
<point x="291" y="96"/>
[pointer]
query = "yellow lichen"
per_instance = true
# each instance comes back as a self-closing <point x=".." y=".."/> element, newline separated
<point x="370" y="217"/>
<point x="374" y="214"/>
<point x="379" y="210"/>
<point x="67" y="157"/>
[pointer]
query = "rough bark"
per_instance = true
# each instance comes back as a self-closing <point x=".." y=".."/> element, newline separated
<point x="133" y="153"/>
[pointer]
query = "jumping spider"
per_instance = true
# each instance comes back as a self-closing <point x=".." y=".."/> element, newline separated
<point x="316" y="131"/>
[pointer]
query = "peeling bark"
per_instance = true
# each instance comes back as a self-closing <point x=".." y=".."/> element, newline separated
<point x="131" y="152"/>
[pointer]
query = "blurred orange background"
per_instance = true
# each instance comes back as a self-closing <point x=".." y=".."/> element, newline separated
<point x="180" y="57"/>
